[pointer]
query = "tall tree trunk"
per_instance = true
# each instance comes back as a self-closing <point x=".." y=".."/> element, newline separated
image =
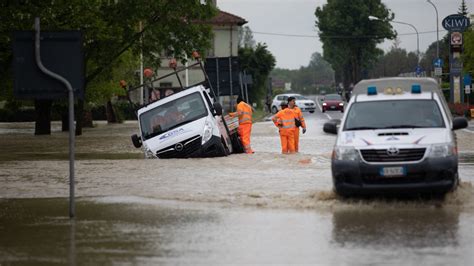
<point x="43" y="117"/>
<point x="79" y="117"/>
<point x="64" y="121"/>
<point x="111" y="115"/>
<point x="87" y="119"/>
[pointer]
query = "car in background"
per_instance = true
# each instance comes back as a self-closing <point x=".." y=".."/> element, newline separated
<point x="305" y="104"/>
<point x="332" y="102"/>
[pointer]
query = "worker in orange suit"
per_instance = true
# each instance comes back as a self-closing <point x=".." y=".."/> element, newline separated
<point x="244" y="112"/>
<point x="299" y="116"/>
<point x="285" y="121"/>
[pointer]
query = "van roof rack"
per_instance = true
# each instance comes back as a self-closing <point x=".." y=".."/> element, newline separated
<point x="175" y="71"/>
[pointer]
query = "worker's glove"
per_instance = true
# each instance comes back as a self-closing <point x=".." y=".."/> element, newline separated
<point x="304" y="130"/>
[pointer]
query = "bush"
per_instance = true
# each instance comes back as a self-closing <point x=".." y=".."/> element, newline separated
<point x="124" y="110"/>
<point x="27" y="115"/>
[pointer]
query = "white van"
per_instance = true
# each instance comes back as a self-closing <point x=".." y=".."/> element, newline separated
<point x="396" y="136"/>
<point x="186" y="124"/>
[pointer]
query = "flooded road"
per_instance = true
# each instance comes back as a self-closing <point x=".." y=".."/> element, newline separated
<point x="144" y="231"/>
<point x="265" y="208"/>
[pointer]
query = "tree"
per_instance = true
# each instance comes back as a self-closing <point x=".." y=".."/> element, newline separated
<point x="468" y="54"/>
<point x="257" y="62"/>
<point x="429" y="56"/>
<point x="395" y="62"/>
<point x="317" y="74"/>
<point x="350" y="38"/>
<point x="110" y="29"/>
<point x="463" y="9"/>
<point x="246" y="37"/>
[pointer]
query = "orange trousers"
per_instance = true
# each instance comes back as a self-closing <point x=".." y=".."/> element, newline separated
<point x="287" y="138"/>
<point x="297" y="138"/>
<point x="244" y="131"/>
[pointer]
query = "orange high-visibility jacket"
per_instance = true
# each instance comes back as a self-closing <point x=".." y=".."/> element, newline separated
<point x="285" y="119"/>
<point x="244" y="112"/>
<point x="299" y="116"/>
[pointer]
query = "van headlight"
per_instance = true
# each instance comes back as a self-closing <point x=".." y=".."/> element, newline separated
<point x="441" y="150"/>
<point x="207" y="134"/>
<point x="345" y="154"/>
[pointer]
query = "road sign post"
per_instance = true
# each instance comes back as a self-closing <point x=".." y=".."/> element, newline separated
<point x="455" y="24"/>
<point x="467" y="87"/>
<point x="44" y="64"/>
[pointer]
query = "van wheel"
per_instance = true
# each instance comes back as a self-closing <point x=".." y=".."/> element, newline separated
<point x="274" y="110"/>
<point x="136" y="140"/>
<point x="311" y="112"/>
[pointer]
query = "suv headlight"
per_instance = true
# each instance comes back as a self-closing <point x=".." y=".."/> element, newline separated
<point x="345" y="154"/>
<point x="207" y="134"/>
<point x="441" y="150"/>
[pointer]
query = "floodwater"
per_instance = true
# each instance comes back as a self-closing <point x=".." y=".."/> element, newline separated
<point x="265" y="208"/>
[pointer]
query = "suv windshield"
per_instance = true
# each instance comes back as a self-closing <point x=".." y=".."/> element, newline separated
<point x="172" y="114"/>
<point x="394" y="114"/>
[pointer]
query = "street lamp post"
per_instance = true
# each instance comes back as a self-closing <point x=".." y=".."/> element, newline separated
<point x="437" y="28"/>
<point x="417" y="37"/>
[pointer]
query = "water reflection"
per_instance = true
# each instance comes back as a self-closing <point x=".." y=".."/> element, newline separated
<point x="38" y="231"/>
<point x="403" y="228"/>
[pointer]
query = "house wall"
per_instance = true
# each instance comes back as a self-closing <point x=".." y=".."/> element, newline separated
<point x="195" y="75"/>
<point x="225" y="42"/>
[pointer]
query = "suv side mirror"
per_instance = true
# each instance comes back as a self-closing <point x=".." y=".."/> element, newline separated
<point x="459" y="122"/>
<point x="137" y="141"/>
<point x="217" y="108"/>
<point x="331" y="126"/>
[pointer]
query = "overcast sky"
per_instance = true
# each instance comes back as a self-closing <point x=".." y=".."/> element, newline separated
<point x="296" y="17"/>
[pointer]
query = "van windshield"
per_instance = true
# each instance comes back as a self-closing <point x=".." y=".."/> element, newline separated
<point x="172" y="114"/>
<point x="394" y="114"/>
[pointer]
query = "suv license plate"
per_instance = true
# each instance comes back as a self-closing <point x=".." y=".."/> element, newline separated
<point x="393" y="171"/>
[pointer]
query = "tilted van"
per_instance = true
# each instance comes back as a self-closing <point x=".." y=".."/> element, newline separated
<point x="188" y="123"/>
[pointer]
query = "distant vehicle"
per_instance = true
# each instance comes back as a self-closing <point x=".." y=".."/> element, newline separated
<point x="396" y="136"/>
<point x="184" y="124"/>
<point x="332" y="102"/>
<point x="305" y="104"/>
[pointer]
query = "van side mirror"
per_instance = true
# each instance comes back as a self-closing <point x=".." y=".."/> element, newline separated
<point x="459" y="122"/>
<point x="217" y="108"/>
<point x="137" y="141"/>
<point x="331" y="126"/>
